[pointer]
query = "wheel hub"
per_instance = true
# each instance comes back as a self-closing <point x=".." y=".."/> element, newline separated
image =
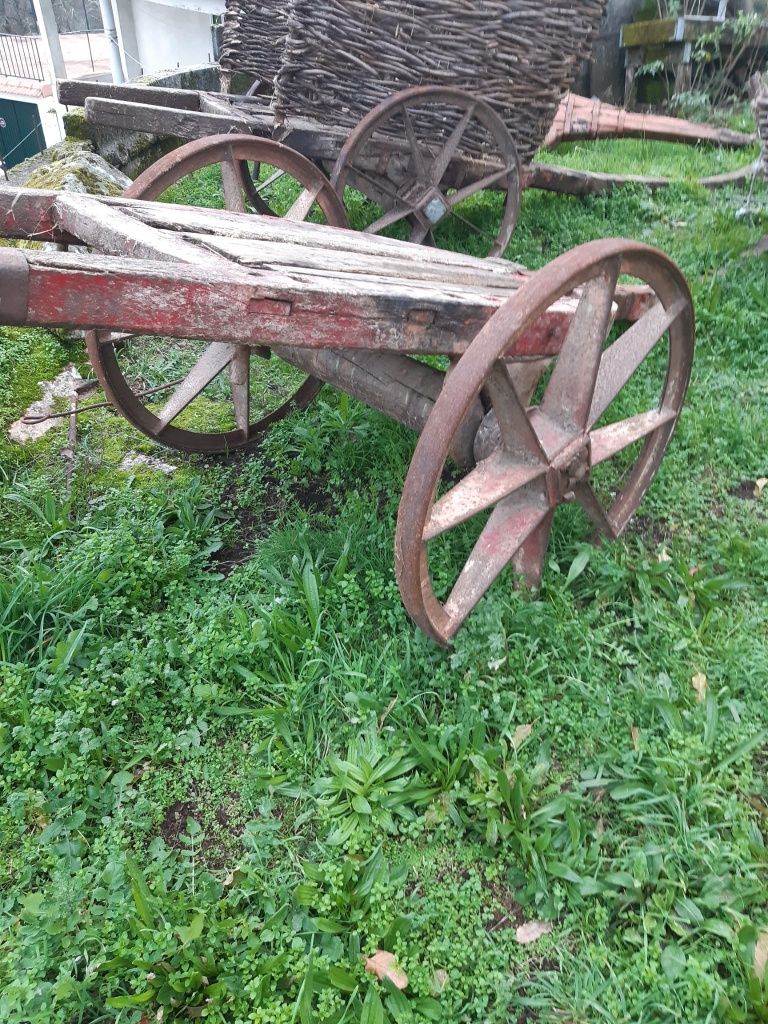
<point x="434" y="207"/>
<point x="579" y="468"/>
<point x="429" y="202"/>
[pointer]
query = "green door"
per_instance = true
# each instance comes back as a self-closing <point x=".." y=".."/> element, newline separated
<point x="21" y="134"/>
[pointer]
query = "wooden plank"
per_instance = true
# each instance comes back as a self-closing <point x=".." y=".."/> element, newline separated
<point x="26" y="213"/>
<point x="571" y="182"/>
<point x="288" y="257"/>
<point x="85" y="290"/>
<point x="75" y="93"/>
<point x="230" y="225"/>
<point x="182" y="124"/>
<point x="140" y="297"/>
<point x="29" y="214"/>
<point x="117" y="233"/>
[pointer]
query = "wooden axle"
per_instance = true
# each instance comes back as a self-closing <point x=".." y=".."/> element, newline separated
<point x="398" y="386"/>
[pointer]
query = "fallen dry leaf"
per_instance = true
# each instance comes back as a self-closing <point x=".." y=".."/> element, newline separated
<point x="699" y="683"/>
<point x="384" y="965"/>
<point x="634" y="732"/>
<point x="760" y="486"/>
<point x="521" y="734"/>
<point x="761" y="954"/>
<point x="532" y="931"/>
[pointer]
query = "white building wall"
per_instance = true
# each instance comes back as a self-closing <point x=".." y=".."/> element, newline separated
<point x="171" y="36"/>
<point x="50" y="119"/>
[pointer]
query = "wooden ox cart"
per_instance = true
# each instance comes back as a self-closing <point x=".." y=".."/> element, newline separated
<point x="417" y="104"/>
<point x="562" y="385"/>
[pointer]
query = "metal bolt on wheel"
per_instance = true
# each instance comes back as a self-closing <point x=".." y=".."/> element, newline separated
<point x="184" y="369"/>
<point x="533" y="457"/>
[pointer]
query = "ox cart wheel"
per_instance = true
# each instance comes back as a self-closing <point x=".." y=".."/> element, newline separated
<point x="593" y="431"/>
<point x="176" y="390"/>
<point x="393" y="158"/>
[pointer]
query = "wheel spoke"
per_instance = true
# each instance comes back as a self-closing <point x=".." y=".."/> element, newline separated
<point x="279" y="173"/>
<point x="448" y="151"/>
<point x="586" y="497"/>
<point x="568" y="397"/>
<point x="474" y="227"/>
<point x="114" y="337"/>
<point x="528" y="560"/>
<point x="209" y="365"/>
<point x="509" y="525"/>
<point x="420" y="232"/>
<point x="418" y="157"/>
<point x="230" y="180"/>
<point x="378" y="183"/>
<point x="300" y="209"/>
<point x="620" y="361"/>
<point x="390" y="217"/>
<point x="492" y="480"/>
<point x="608" y="441"/>
<point x="517" y="435"/>
<point x="526" y="376"/>
<point x="469" y="190"/>
<point x="239" y="378"/>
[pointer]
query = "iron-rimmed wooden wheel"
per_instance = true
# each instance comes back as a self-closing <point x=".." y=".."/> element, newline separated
<point x="579" y="441"/>
<point x="424" y="154"/>
<point x="162" y="385"/>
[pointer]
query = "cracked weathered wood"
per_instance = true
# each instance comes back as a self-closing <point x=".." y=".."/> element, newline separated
<point x="580" y="118"/>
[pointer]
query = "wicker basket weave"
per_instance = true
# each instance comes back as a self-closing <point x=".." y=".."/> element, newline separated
<point x="254" y="37"/>
<point x="339" y="58"/>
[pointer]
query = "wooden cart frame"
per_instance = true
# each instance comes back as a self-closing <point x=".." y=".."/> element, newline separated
<point x="535" y="363"/>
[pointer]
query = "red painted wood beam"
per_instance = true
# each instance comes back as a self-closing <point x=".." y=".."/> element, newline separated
<point x="86" y="290"/>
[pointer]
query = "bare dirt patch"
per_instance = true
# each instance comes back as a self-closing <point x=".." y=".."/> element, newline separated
<point x="221" y="825"/>
<point x="504" y="911"/>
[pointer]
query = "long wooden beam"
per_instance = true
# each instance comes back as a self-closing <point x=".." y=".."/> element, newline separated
<point x="580" y="119"/>
<point x="85" y="290"/>
<point x="169" y="120"/>
<point x="569" y="181"/>
<point x="75" y="93"/>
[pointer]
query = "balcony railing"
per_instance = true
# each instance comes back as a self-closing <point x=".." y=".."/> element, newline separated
<point x="20" y="57"/>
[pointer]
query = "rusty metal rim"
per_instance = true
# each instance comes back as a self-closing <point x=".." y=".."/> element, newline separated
<point x="149" y="185"/>
<point x="462" y="99"/>
<point x="464" y="384"/>
<point x="241" y="148"/>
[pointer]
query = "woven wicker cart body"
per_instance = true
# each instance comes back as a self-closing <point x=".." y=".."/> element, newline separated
<point x="254" y="37"/>
<point x="332" y="61"/>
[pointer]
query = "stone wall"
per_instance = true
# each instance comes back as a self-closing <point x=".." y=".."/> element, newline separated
<point x="17" y="17"/>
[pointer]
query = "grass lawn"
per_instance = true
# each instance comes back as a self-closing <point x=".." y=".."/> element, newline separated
<point x="233" y="769"/>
